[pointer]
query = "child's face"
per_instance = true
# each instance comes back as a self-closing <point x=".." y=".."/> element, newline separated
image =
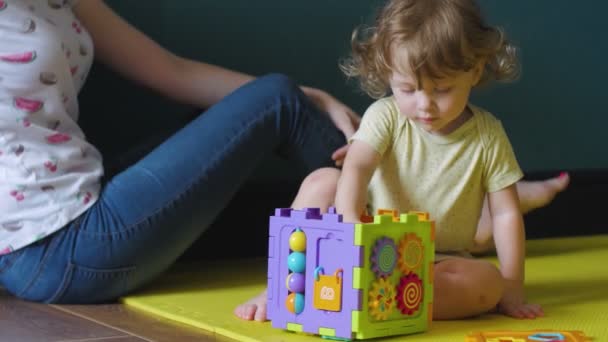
<point x="438" y="106"/>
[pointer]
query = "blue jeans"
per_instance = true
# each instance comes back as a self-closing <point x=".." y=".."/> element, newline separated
<point x="150" y="213"/>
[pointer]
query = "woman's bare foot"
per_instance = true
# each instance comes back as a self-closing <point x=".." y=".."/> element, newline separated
<point x="253" y="309"/>
<point x="536" y="194"/>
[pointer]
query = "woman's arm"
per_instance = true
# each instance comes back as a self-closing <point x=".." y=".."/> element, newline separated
<point x="509" y="236"/>
<point x="137" y="57"/>
<point x="359" y="166"/>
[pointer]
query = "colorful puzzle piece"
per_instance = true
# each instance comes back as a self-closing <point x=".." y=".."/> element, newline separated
<point x="528" y="336"/>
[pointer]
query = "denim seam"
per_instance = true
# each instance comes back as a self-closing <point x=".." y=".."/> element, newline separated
<point x="63" y="284"/>
<point x="192" y="184"/>
<point x="125" y="273"/>
<point x="11" y="260"/>
<point x="50" y="251"/>
<point x="325" y="129"/>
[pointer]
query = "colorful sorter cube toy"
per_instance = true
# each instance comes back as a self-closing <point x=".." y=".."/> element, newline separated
<point x="349" y="281"/>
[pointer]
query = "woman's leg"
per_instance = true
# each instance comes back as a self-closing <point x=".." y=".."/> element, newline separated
<point x="318" y="190"/>
<point x="532" y="195"/>
<point x="150" y="213"/>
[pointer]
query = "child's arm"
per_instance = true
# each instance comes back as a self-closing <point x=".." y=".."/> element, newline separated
<point x="509" y="238"/>
<point x="359" y="166"/>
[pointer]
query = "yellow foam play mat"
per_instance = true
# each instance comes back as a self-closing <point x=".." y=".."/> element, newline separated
<point x="567" y="276"/>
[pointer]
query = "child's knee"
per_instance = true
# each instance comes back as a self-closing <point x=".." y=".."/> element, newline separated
<point x="481" y="282"/>
<point x="490" y="285"/>
<point x="321" y="183"/>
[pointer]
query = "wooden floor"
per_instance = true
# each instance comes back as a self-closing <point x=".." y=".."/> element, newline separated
<point x="24" y="322"/>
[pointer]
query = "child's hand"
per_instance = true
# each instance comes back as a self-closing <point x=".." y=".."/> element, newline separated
<point x="513" y="304"/>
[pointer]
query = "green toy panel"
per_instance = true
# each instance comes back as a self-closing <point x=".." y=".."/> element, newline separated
<point x="396" y="277"/>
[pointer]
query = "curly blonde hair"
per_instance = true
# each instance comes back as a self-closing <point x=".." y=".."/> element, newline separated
<point x="439" y="37"/>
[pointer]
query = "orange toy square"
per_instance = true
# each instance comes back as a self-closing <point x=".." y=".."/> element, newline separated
<point x="528" y="336"/>
<point x="328" y="291"/>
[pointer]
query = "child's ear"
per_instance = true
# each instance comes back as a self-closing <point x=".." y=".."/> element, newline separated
<point x="478" y="71"/>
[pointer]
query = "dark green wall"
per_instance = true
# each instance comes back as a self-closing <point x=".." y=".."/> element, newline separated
<point x="554" y="115"/>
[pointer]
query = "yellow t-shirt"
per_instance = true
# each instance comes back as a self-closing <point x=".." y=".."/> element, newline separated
<point x="447" y="176"/>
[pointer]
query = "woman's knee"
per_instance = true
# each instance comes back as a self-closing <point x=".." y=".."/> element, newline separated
<point x="276" y="83"/>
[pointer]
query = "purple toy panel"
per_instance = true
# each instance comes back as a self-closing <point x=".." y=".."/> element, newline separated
<point x="317" y="253"/>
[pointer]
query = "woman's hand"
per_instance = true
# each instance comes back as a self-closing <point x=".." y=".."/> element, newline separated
<point x="339" y="155"/>
<point x="345" y="119"/>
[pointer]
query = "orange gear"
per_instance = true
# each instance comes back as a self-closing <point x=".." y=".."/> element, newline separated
<point x="411" y="253"/>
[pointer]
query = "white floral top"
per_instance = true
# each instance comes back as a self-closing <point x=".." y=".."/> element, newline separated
<point x="49" y="173"/>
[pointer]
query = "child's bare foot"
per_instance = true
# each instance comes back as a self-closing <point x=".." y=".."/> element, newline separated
<point x="536" y="194"/>
<point x="253" y="309"/>
<point x="532" y="195"/>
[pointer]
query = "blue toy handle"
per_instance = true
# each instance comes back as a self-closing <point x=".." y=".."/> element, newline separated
<point x="549" y="337"/>
<point x="318" y="270"/>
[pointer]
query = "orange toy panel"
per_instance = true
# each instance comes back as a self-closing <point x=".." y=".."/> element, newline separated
<point x="528" y="336"/>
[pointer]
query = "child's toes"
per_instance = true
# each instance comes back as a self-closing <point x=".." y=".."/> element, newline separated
<point x="260" y="313"/>
<point x="246" y="311"/>
<point x="561" y="182"/>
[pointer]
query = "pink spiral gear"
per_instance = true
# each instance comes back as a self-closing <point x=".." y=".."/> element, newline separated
<point x="409" y="294"/>
<point x="383" y="257"/>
